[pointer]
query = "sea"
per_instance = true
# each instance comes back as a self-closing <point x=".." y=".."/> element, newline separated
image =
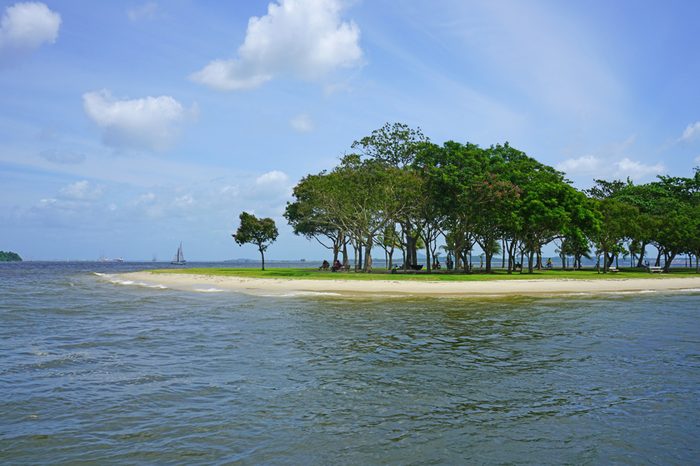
<point x="100" y="371"/>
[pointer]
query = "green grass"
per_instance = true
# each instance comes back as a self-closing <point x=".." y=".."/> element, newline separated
<point x="315" y="274"/>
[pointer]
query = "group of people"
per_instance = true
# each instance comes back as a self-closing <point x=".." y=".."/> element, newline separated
<point x="336" y="265"/>
<point x="436" y="265"/>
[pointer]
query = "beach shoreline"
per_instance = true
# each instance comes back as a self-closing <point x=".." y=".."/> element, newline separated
<point x="397" y="288"/>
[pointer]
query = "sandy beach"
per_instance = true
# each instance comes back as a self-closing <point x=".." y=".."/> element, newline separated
<point x="265" y="286"/>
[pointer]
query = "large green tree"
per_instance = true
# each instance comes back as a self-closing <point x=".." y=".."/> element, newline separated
<point x="310" y="216"/>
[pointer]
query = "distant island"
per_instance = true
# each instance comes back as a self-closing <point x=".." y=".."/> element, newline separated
<point x="9" y="256"/>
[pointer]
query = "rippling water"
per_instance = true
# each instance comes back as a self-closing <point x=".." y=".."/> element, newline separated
<point x="95" y="372"/>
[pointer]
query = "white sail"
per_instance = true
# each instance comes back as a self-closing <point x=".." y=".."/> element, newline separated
<point x="179" y="258"/>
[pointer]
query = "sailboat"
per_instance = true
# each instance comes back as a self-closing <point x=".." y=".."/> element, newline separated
<point x="179" y="258"/>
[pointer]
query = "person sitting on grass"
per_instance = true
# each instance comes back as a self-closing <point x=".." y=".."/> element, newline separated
<point x="325" y="265"/>
<point x="549" y="263"/>
<point x="336" y="266"/>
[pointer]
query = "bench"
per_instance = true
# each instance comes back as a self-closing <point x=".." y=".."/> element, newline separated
<point x="613" y="269"/>
<point x="654" y="269"/>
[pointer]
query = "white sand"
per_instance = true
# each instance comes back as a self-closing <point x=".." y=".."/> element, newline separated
<point x="267" y="286"/>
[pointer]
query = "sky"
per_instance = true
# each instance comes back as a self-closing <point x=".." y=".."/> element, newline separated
<point x="127" y="127"/>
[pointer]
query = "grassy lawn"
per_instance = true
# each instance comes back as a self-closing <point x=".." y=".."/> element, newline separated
<point x="315" y="274"/>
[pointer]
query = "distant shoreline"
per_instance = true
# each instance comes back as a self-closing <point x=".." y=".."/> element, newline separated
<point x="399" y="288"/>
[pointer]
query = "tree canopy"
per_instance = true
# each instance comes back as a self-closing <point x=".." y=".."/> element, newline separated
<point x="401" y="191"/>
<point x="9" y="256"/>
<point x="261" y="232"/>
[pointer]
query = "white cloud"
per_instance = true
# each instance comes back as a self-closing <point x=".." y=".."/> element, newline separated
<point x="81" y="191"/>
<point x="588" y="164"/>
<point x="272" y="178"/>
<point x="28" y="25"/>
<point x="597" y="167"/>
<point x="150" y="122"/>
<point x="637" y="170"/>
<point x="302" y="38"/>
<point x="146" y="11"/>
<point x="302" y="123"/>
<point x="691" y="131"/>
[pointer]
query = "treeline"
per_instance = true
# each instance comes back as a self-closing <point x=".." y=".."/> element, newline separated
<point x="401" y="192"/>
<point x="9" y="256"/>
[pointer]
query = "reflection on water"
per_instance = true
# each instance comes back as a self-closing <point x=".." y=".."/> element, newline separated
<point x="94" y="372"/>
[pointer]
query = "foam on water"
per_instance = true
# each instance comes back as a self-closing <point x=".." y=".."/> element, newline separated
<point x="294" y="294"/>
<point x="208" y="290"/>
<point x="119" y="281"/>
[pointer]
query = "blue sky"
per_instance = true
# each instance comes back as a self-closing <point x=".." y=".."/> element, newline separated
<point x="126" y="127"/>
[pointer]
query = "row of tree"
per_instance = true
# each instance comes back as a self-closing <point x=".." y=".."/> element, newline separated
<point x="400" y="192"/>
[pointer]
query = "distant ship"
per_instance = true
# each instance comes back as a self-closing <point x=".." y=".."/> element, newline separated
<point x="107" y="259"/>
<point x="179" y="258"/>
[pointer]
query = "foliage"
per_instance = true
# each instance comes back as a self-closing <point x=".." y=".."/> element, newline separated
<point x="9" y="256"/>
<point x="261" y="232"/>
<point x="402" y="191"/>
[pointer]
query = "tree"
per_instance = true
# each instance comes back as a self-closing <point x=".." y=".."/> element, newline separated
<point x="310" y="214"/>
<point x="9" y="256"/>
<point x="261" y="232"/>
<point x="395" y="144"/>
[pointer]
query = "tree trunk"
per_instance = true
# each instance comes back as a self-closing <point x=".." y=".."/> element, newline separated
<point x="503" y="253"/>
<point x="368" y="255"/>
<point x="640" y="262"/>
<point x="531" y="261"/>
<point x="262" y="255"/>
<point x="489" y="257"/>
<point x="410" y="251"/>
<point x="605" y="261"/>
<point x="336" y="247"/>
<point x="358" y="264"/>
<point x="511" y="256"/>
<point x="414" y="251"/>
<point x="345" y="254"/>
<point x="356" y="260"/>
<point x="428" y="264"/>
<point x="658" y="259"/>
<point x="669" y="261"/>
